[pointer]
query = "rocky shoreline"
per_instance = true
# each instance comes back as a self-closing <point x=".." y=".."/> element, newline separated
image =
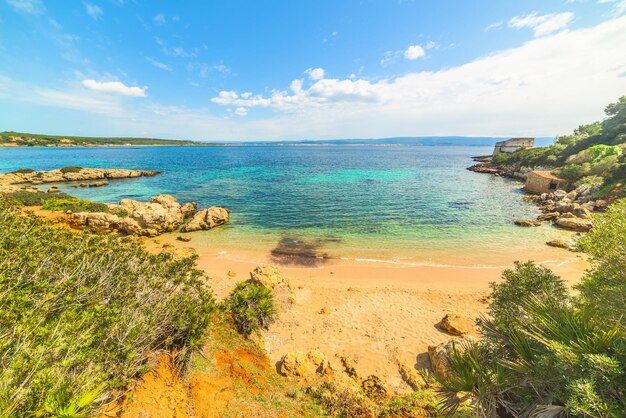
<point x="161" y="214"/>
<point x="568" y="210"/>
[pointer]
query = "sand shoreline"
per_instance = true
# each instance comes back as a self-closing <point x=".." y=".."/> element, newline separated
<point x="375" y="312"/>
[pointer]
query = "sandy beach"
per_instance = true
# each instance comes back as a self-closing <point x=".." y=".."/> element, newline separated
<point x="374" y="312"/>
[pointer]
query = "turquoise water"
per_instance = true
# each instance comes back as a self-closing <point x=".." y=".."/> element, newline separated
<point x="382" y="202"/>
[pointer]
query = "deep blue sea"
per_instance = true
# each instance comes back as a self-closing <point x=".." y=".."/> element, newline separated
<point x="409" y="202"/>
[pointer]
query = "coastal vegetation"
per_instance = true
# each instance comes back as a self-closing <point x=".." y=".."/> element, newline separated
<point x="545" y="352"/>
<point x="592" y="155"/>
<point x="80" y="315"/>
<point x="9" y="138"/>
<point x="252" y="307"/>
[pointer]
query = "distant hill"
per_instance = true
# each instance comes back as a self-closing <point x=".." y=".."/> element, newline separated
<point x="9" y="138"/>
<point x="418" y="140"/>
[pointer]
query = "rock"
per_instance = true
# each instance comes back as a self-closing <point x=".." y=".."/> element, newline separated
<point x="188" y="209"/>
<point x="207" y="219"/>
<point x="375" y="389"/>
<point x="410" y="376"/>
<point x="559" y="244"/>
<point x="231" y="274"/>
<point x="526" y="222"/>
<point x="267" y="276"/>
<point x="456" y="325"/>
<point x="325" y="311"/>
<point x="548" y="216"/>
<point x="296" y="363"/>
<point x="185" y="252"/>
<point x="574" y="224"/>
<point x="438" y="354"/>
<point x="572" y="195"/>
<point x="559" y="194"/>
<point x="53" y="189"/>
<point x="161" y="214"/>
<point x="82" y="185"/>
<point x="600" y="204"/>
<point x="348" y="366"/>
<point x="184" y="238"/>
<point x="99" y="184"/>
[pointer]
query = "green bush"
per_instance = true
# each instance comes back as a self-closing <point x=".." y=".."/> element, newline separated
<point x="252" y="307"/>
<point x="23" y="171"/>
<point x="80" y="314"/>
<point x="546" y="354"/>
<point x="74" y="204"/>
<point x="35" y="199"/>
<point x="70" y="169"/>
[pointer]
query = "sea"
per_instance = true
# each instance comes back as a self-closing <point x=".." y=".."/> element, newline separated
<point x="393" y="203"/>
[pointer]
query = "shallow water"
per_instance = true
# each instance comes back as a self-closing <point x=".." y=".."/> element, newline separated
<point x="405" y="204"/>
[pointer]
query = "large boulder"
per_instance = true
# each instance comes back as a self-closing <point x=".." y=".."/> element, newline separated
<point x="161" y="214"/>
<point x="267" y="276"/>
<point x="438" y="354"/>
<point x="526" y="222"/>
<point x="574" y="224"/>
<point x="456" y="325"/>
<point x="207" y="218"/>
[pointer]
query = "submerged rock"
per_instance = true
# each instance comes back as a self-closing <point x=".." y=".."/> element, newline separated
<point x="526" y="222"/>
<point x="184" y="238"/>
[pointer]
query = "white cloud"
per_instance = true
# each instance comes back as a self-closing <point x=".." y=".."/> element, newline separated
<point x="93" y="10"/>
<point x="115" y="87"/>
<point x="159" y="19"/>
<point x="241" y="111"/>
<point x="315" y="73"/>
<point x="547" y="86"/>
<point x="34" y="7"/>
<point x="494" y="26"/>
<point x="619" y="6"/>
<point x="414" y="52"/>
<point x="542" y="24"/>
<point x="158" y="64"/>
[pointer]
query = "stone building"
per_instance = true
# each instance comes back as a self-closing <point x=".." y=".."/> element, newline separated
<point x="513" y="144"/>
<point x="539" y="182"/>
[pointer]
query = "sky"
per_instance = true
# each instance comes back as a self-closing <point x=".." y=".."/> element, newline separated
<point x="325" y="69"/>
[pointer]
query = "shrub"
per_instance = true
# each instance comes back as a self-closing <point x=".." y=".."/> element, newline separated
<point x="74" y="204"/>
<point x="544" y="353"/>
<point x="80" y="314"/>
<point x="35" y="199"/>
<point x="23" y="171"/>
<point x="252" y="307"/>
<point x="70" y="169"/>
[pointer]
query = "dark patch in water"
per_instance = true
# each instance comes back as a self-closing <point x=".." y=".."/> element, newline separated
<point x="298" y="252"/>
<point x="460" y="204"/>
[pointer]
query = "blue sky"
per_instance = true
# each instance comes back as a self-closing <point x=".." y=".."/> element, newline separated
<point x="245" y="70"/>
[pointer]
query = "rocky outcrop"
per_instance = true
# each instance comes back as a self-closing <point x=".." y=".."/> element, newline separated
<point x="207" y="218"/>
<point x="298" y="364"/>
<point x="375" y="389"/>
<point x="456" y="325"/>
<point x="267" y="276"/>
<point x="162" y="213"/>
<point x="11" y="182"/>
<point x="410" y="376"/>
